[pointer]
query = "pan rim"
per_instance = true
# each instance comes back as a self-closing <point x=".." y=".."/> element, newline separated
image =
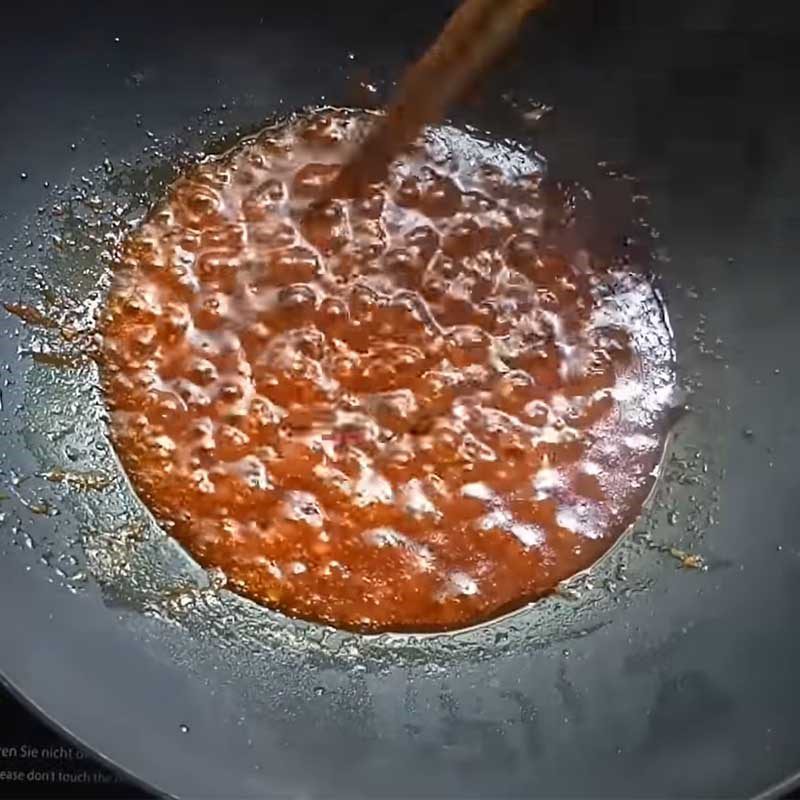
<point x="59" y="728"/>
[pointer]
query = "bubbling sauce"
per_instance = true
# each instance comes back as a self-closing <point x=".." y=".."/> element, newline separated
<point x="402" y="411"/>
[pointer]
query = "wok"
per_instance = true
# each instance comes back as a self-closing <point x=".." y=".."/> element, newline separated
<point x="642" y="679"/>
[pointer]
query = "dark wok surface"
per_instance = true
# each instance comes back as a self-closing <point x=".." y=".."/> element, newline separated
<point x="670" y="683"/>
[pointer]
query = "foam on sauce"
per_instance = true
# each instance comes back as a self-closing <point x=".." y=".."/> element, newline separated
<point x="405" y="411"/>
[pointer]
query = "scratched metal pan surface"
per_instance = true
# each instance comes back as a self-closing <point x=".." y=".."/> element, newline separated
<point x="642" y="678"/>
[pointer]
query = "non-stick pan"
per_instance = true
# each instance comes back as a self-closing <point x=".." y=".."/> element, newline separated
<point x="645" y="678"/>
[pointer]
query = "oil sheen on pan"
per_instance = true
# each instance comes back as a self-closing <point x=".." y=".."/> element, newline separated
<point x="405" y="411"/>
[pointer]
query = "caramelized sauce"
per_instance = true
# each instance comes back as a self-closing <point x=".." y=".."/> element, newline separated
<point x="404" y="411"/>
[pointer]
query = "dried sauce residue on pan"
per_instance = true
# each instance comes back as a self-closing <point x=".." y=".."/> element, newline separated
<point x="405" y="411"/>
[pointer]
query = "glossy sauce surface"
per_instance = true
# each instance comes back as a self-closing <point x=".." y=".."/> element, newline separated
<point x="405" y="411"/>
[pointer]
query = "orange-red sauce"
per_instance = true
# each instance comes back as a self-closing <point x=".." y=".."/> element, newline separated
<point x="403" y="411"/>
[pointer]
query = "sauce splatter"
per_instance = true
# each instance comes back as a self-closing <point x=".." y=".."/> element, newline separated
<point x="408" y="410"/>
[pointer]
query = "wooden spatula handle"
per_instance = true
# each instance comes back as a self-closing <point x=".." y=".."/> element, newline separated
<point x="477" y="32"/>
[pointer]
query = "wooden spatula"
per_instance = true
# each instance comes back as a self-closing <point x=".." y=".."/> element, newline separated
<point x="472" y="38"/>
